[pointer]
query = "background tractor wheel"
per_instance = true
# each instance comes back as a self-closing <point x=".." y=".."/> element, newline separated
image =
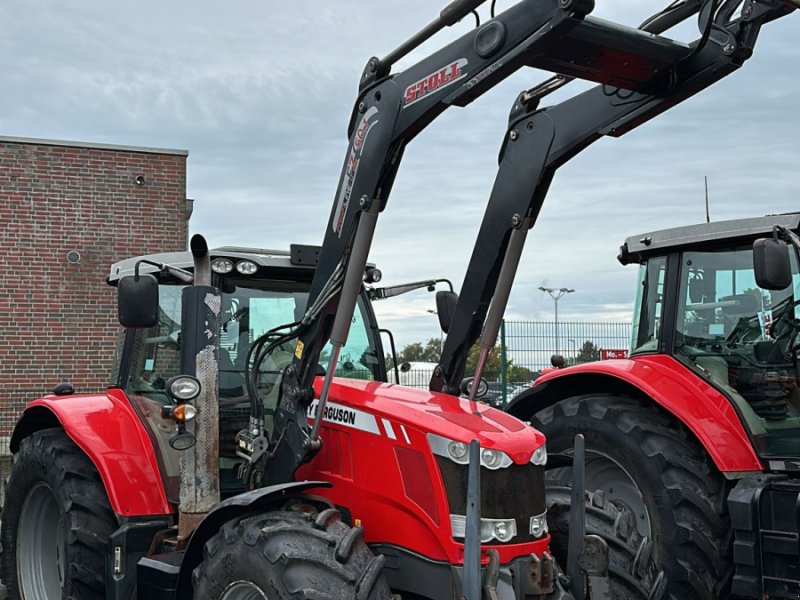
<point x="56" y="522"/>
<point x="642" y="459"/>
<point x="286" y="555"/>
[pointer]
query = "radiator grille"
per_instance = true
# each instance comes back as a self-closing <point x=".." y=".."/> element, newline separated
<point x="514" y="492"/>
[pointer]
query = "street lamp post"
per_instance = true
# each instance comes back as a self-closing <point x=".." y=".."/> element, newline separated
<point x="556" y="294"/>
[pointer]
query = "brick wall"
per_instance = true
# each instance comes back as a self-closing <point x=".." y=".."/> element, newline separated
<point x="56" y="198"/>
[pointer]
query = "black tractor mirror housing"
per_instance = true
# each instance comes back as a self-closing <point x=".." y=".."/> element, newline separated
<point x="137" y="301"/>
<point x="445" y="308"/>
<point x="773" y="270"/>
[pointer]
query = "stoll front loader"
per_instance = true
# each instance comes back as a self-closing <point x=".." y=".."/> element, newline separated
<point x="343" y="488"/>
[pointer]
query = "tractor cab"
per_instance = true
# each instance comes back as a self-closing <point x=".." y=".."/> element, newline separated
<point x="699" y="300"/>
<point x="259" y="290"/>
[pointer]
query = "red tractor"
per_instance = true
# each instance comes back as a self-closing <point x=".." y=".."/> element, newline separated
<point x="698" y="432"/>
<point x="136" y="492"/>
<point x="228" y="461"/>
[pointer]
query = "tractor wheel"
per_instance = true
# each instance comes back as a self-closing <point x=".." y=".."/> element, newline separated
<point x="639" y="457"/>
<point x="286" y="555"/>
<point x="56" y="522"/>
<point x="632" y="573"/>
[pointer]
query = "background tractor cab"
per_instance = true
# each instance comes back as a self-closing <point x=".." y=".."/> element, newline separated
<point x="735" y="322"/>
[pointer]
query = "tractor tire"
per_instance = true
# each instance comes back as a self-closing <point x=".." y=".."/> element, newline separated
<point x="641" y="458"/>
<point x="286" y="555"/>
<point x="632" y="573"/>
<point x="56" y="522"/>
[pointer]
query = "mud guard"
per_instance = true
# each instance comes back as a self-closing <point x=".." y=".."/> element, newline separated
<point x="106" y="429"/>
<point x="248" y="502"/>
<point x="704" y="410"/>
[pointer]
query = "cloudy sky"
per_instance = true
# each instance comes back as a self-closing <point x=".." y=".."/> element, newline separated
<point x="260" y="93"/>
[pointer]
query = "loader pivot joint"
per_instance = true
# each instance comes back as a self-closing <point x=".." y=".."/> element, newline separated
<point x="578" y="8"/>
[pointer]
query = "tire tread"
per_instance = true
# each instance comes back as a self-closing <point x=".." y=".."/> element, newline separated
<point x="51" y="456"/>
<point x="700" y="565"/>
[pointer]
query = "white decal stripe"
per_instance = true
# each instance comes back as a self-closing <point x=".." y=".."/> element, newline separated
<point x="387" y="425"/>
<point x="346" y="416"/>
<point x="405" y="435"/>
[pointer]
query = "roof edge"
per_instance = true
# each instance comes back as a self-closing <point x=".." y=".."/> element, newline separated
<point x="92" y="145"/>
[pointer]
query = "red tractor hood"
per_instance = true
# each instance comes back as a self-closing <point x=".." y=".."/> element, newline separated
<point x="388" y="408"/>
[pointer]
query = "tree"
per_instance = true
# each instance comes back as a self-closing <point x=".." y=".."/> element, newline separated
<point x="431" y="351"/>
<point x="492" y="368"/>
<point x="518" y="374"/>
<point x="588" y="353"/>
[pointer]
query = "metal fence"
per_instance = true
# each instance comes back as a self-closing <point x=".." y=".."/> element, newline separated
<point x="526" y="347"/>
<point x="531" y="343"/>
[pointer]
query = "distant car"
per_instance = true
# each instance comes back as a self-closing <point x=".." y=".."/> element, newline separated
<point x="519" y="389"/>
<point x="495" y="394"/>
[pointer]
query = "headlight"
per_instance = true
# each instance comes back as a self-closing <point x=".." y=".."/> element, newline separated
<point x="491" y="459"/>
<point x="458" y="452"/>
<point x="538" y="525"/>
<point x="502" y="530"/>
<point x="183" y="388"/>
<point x="221" y="265"/>
<point x="540" y="456"/>
<point x="246" y="267"/>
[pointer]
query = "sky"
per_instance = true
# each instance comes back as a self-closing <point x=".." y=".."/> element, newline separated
<point x="260" y="94"/>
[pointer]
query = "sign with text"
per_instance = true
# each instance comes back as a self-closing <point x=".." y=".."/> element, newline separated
<point x="606" y="354"/>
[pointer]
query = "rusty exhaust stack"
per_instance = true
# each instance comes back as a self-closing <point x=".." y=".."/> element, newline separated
<point x="200" y="326"/>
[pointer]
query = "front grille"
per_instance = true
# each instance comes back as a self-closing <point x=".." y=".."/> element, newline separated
<point x="516" y="492"/>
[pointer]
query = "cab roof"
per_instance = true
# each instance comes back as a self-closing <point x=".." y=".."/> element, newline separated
<point x="299" y="257"/>
<point x="638" y="247"/>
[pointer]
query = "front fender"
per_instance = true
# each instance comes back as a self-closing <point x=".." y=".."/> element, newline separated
<point x="248" y="502"/>
<point x="108" y="431"/>
<point x="703" y="409"/>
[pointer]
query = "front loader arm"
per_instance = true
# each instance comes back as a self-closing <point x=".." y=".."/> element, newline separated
<point x="389" y="112"/>
<point x="539" y="141"/>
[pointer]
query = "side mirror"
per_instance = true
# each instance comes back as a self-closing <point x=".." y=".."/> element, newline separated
<point x="773" y="270"/>
<point x="137" y="301"/>
<point x="445" y="307"/>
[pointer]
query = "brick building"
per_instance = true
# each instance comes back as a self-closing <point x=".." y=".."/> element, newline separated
<point x="67" y="211"/>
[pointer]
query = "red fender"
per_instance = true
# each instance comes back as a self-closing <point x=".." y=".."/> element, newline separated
<point x="692" y="400"/>
<point x="107" y="429"/>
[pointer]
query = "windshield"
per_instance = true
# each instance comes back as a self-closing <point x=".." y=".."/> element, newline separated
<point x="743" y="339"/>
<point x="250" y="307"/>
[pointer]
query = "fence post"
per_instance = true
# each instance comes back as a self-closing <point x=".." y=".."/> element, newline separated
<point x="503" y="363"/>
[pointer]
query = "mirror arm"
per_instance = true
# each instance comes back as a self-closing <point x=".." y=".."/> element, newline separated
<point x="181" y="274"/>
<point x="789" y="236"/>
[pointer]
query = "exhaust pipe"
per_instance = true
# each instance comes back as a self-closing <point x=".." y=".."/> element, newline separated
<point x="200" y="327"/>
